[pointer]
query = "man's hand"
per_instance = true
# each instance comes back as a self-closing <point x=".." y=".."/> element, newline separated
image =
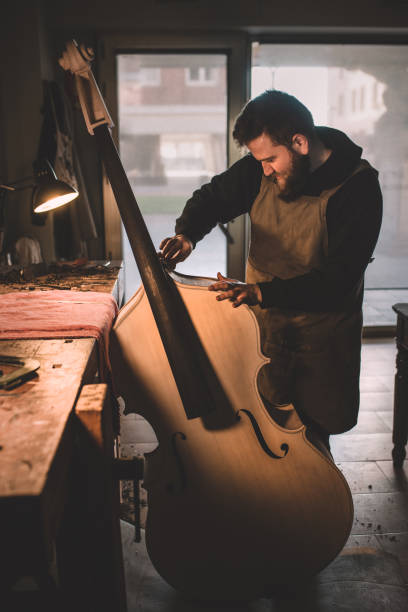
<point x="175" y="249"/>
<point x="238" y="293"/>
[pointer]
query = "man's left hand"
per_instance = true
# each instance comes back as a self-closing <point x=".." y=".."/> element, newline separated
<point x="238" y="293"/>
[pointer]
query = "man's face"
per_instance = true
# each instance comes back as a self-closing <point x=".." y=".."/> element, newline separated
<point x="289" y="168"/>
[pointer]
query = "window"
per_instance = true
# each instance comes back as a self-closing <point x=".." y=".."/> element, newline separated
<point x="201" y="76"/>
<point x="353" y="100"/>
<point x="375" y="90"/>
<point x="172" y="140"/>
<point x="333" y="81"/>
<point x="362" y="98"/>
<point x="340" y="105"/>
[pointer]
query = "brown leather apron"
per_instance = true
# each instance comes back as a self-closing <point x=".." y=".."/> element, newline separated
<point x="315" y="356"/>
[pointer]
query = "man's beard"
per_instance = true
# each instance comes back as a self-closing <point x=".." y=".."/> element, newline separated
<point x="297" y="178"/>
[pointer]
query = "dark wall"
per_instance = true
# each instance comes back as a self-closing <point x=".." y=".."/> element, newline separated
<point x="25" y="64"/>
<point x="249" y="15"/>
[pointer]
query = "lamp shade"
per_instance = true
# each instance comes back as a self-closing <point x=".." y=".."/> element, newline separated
<point x="48" y="192"/>
<point x="52" y="194"/>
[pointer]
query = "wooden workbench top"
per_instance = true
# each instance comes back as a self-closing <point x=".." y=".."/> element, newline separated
<point x="104" y="276"/>
<point x="34" y="416"/>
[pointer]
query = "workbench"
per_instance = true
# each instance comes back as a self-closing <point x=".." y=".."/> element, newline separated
<point x="59" y="521"/>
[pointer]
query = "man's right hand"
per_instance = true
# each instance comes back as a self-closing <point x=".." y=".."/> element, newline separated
<point x="175" y="249"/>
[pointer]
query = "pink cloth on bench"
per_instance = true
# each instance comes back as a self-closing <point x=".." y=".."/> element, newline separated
<point x="59" y="314"/>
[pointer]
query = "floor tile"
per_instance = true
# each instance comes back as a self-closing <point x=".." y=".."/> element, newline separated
<point x="376" y="513"/>
<point x="142" y="581"/>
<point x="376" y="384"/>
<point x="396" y="544"/>
<point x="136" y="430"/>
<point x="388" y="381"/>
<point x="397" y="477"/>
<point x="369" y="422"/>
<point x="362" y="541"/>
<point x="374" y="349"/>
<point x="376" y="401"/>
<point x="130" y="450"/>
<point x="132" y="416"/>
<point x="387" y="417"/>
<point x="380" y="367"/>
<point x="365" y="477"/>
<point x="365" y="564"/>
<point x="361" y="447"/>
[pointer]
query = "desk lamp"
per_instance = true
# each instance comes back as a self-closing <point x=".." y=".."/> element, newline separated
<point x="49" y="192"/>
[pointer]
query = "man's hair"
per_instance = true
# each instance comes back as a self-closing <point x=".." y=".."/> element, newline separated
<point x="276" y="113"/>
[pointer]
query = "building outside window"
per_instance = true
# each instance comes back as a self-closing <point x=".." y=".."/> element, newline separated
<point x="201" y="76"/>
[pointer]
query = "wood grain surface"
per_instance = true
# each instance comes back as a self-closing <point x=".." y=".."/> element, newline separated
<point x="35" y="415"/>
<point x="37" y="431"/>
<point x="231" y="513"/>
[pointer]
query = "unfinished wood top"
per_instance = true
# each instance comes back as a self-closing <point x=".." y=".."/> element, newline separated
<point x="105" y="277"/>
<point x="34" y="417"/>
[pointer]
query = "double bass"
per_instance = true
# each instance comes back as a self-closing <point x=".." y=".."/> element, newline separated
<point x="238" y="506"/>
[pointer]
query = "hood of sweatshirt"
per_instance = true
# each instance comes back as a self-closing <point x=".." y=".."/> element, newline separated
<point x="345" y="157"/>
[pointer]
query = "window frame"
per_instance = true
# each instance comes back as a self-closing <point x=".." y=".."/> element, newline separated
<point x="237" y="48"/>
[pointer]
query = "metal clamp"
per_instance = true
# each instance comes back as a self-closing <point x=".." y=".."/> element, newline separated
<point x="18" y="376"/>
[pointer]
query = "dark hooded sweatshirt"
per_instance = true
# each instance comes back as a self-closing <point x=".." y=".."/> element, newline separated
<point x="353" y="220"/>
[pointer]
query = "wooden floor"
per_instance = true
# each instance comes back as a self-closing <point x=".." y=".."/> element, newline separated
<point x="363" y="454"/>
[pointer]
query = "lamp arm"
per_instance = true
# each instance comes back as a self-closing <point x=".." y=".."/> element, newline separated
<point x="77" y="59"/>
<point x="12" y="186"/>
<point x="41" y="171"/>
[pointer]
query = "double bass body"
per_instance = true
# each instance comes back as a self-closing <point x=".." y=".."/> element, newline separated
<point x="237" y="507"/>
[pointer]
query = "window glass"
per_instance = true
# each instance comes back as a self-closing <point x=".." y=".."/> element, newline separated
<point x="172" y="138"/>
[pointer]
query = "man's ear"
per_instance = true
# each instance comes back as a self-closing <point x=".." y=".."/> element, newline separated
<point x="300" y="144"/>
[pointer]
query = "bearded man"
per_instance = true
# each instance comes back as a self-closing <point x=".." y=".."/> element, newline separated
<point x="315" y="208"/>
